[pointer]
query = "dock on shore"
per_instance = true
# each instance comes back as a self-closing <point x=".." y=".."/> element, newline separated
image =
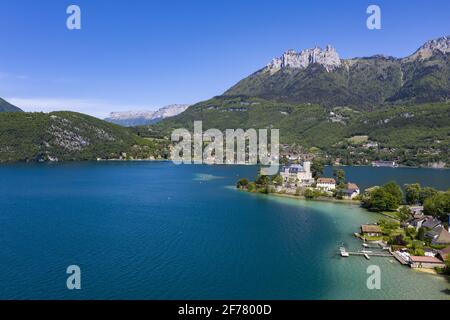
<point x="345" y="253"/>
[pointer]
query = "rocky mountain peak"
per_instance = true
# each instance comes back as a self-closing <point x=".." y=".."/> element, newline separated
<point x="440" y="45"/>
<point x="328" y="58"/>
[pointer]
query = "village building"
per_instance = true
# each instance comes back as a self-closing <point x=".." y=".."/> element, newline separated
<point x="444" y="253"/>
<point x="425" y="262"/>
<point x="297" y="175"/>
<point x="416" y="211"/>
<point x="328" y="184"/>
<point x="438" y="236"/>
<point x="431" y="223"/>
<point x="371" y="230"/>
<point x="351" y="191"/>
<point x="428" y="222"/>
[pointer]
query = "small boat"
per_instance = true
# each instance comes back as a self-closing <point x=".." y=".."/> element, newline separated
<point x="344" y="253"/>
<point x="365" y="245"/>
<point x="366" y="256"/>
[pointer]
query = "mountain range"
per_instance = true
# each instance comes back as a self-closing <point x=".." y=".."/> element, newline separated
<point x="140" y="118"/>
<point x="395" y="108"/>
<point x="350" y="111"/>
<point x="321" y="76"/>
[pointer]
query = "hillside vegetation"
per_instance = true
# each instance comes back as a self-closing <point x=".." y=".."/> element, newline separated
<point x="70" y="136"/>
<point x="412" y="134"/>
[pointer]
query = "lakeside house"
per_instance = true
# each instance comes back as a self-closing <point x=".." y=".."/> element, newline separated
<point x="328" y="184"/>
<point x="371" y="230"/>
<point x="351" y="191"/>
<point x="438" y="236"/>
<point x="297" y="175"/>
<point x="425" y="262"/>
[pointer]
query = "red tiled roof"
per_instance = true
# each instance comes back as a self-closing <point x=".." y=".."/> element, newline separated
<point x="326" y="180"/>
<point x="352" y="186"/>
<point x="370" y="228"/>
<point x="424" y="259"/>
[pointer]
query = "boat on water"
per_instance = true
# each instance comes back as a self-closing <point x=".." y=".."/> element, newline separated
<point x="365" y="245"/>
<point x="344" y="253"/>
<point x="366" y="256"/>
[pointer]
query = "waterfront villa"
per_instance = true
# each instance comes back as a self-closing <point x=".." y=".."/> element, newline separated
<point x="297" y="175"/>
<point x="371" y="230"/>
<point x="425" y="262"/>
<point x="351" y="191"/>
<point x="328" y="184"/>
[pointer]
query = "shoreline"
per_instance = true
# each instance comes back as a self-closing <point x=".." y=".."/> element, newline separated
<point x="322" y="199"/>
<point x="144" y="160"/>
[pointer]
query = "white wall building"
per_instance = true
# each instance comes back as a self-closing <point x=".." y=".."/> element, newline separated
<point x="297" y="175"/>
<point x="328" y="184"/>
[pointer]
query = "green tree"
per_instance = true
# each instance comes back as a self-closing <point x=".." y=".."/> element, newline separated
<point x="380" y="200"/>
<point x="426" y="193"/>
<point x="421" y="234"/>
<point x="447" y="266"/>
<point x="309" y="194"/>
<point x="277" y="180"/>
<point x="404" y="214"/>
<point x="317" y="168"/>
<point x="438" y="205"/>
<point x="251" y="187"/>
<point x="412" y="193"/>
<point x="395" y="190"/>
<point x="242" y="183"/>
<point x="339" y="175"/>
<point x="262" y="180"/>
<point x="399" y="240"/>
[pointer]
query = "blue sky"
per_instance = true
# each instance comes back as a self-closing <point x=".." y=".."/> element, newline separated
<point x="132" y="55"/>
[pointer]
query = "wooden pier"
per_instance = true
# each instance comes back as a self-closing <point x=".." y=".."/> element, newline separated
<point x="345" y="253"/>
<point x="370" y="254"/>
<point x="399" y="258"/>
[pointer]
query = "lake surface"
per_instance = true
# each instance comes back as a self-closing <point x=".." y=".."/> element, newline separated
<point x="153" y="230"/>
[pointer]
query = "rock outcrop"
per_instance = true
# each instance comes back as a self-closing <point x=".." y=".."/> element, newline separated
<point x="327" y="57"/>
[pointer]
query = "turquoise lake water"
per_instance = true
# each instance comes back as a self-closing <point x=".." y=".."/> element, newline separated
<point x="153" y="230"/>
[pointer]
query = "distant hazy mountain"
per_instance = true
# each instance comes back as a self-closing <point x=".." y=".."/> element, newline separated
<point x="8" y="107"/>
<point x="140" y="118"/>
<point x="320" y="76"/>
